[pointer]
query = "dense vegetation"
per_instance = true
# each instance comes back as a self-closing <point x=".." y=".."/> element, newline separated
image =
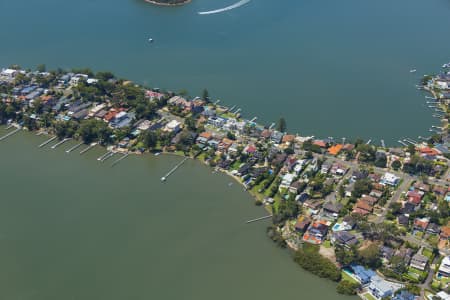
<point x="308" y="258"/>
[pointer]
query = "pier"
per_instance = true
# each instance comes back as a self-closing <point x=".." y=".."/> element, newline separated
<point x="368" y="142"/>
<point x="10" y="134"/>
<point x="106" y="156"/>
<point x="74" y="147"/>
<point x="164" y="178"/>
<point x="403" y="143"/>
<point x="119" y="159"/>
<point x="382" y="144"/>
<point x="88" y="148"/>
<point x="47" y="141"/>
<point x="258" y="219"/>
<point x="60" y="143"/>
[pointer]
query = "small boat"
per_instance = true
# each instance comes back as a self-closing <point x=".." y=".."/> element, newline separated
<point x="150" y="40"/>
<point x="157" y="153"/>
<point x="163" y="179"/>
<point x="412" y="71"/>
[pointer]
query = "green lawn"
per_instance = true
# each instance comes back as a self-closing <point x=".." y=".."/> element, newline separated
<point x="347" y="277"/>
<point x="368" y="296"/>
<point x="427" y="252"/>
<point x="327" y="244"/>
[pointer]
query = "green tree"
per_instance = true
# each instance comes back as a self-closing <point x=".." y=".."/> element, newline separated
<point x="205" y="95"/>
<point x="281" y="125"/>
<point x="396" y="164"/>
<point x="346" y="287"/>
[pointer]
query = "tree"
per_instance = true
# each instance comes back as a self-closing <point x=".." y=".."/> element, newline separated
<point x="346" y="287"/>
<point x="150" y="139"/>
<point x="190" y="123"/>
<point x="396" y="164"/>
<point x="281" y="125"/>
<point x="231" y="136"/>
<point x="370" y="256"/>
<point x="205" y="95"/>
<point x="41" y="68"/>
<point x="308" y="258"/>
<point x="381" y="161"/>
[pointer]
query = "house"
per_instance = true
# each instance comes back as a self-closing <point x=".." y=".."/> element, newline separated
<point x="356" y="175"/>
<point x="419" y="262"/>
<point x="332" y="208"/>
<point x="403" y="220"/>
<point x="276" y="137"/>
<point x="335" y="149"/>
<point x="422" y="186"/>
<point x="421" y="224"/>
<point x="338" y="169"/>
<point x="244" y="169"/>
<point x="414" y="197"/>
<point x="286" y="180"/>
<point x="443" y="295"/>
<point x="363" y="275"/>
<point x="172" y="126"/>
<point x="313" y="205"/>
<point x="288" y="139"/>
<point x="376" y="193"/>
<point x="362" y="207"/>
<point x="445" y="233"/>
<point x="387" y="252"/>
<point x="326" y="166"/>
<point x="405" y="295"/>
<point x="302" y="197"/>
<point x="295" y="187"/>
<point x="369" y="199"/>
<point x="316" y="232"/>
<point x="302" y="223"/>
<point x="344" y="238"/>
<point x="439" y="191"/>
<point x="390" y="179"/>
<point x="433" y="228"/>
<point x="9" y="73"/>
<point x="444" y="268"/>
<point x="381" y="288"/>
<point x="408" y="208"/>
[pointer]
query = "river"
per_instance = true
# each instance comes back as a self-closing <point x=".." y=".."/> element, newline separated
<point x="331" y="68"/>
<point x="72" y="227"/>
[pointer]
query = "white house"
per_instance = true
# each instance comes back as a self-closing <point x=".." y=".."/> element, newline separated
<point x="390" y="179"/>
<point x="10" y="73"/>
<point x="444" y="268"/>
<point x="172" y="126"/>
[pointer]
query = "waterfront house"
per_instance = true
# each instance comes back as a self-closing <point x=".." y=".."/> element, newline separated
<point x="9" y="73"/>
<point x="316" y="232"/>
<point x="433" y="228"/>
<point x="381" y="288"/>
<point x="387" y="252"/>
<point x="302" y="223"/>
<point x="362" y="274"/>
<point x="276" y="136"/>
<point x="419" y="262"/>
<point x="335" y="149"/>
<point x="405" y="295"/>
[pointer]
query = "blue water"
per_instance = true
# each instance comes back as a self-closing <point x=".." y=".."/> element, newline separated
<point x="331" y="68"/>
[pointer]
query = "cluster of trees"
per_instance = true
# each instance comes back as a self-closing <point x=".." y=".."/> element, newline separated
<point x="286" y="209"/>
<point x="418" y="165"/>
<point x="308" y="258"/>
<point x="369" y="256"/>
<point x="346" y="287"/>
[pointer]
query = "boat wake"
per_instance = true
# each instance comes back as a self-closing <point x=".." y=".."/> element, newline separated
<point x="216" y="11"/>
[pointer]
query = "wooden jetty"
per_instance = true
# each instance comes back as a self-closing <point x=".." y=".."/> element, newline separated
<point x="164" y="178"/>
<point x="119" y="159"/>
<point x="88" y="148"/>
<point x="47" y="141"/>
<point x="74" y="147"/>
<point x="10" y="134"/>
<point x="60" y="143"/>
<point x="259" y="219"/>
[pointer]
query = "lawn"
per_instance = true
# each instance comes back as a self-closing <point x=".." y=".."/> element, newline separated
<point x="347" y="277"/>
<point x="368" y="296"/>
<point x="427" y="252"/>
<point x="327" y="244"/>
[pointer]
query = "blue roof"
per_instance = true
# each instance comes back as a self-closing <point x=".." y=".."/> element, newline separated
<point x="404" y="295"/>
<point x="363" y="273"/>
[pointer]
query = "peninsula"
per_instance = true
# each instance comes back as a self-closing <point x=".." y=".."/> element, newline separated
<point x="374" y="218"/>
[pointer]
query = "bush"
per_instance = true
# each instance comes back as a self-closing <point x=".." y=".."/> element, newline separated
<point x="346" y="287"/>
<point x="309" y="259"/>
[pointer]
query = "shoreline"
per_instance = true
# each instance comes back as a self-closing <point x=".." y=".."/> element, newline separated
<point x="154" y="2"/>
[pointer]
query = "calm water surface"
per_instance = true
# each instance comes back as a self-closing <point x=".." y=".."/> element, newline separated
<point x="74" y="228"/>
<point x="331" y="68"/>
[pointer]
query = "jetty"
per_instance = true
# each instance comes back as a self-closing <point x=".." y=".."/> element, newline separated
<point x="259" y="219"/>
<point x="368" y="142"/>
<point x="88" y="148"/>
<point x="48" y="141"/>
<point x="10" y="134"/>
<point x="119" y="159"/>
<point x="164" y="178"/>
<point x="60" y="143"/>
<point x="106" y="156"/>
<point x="383" y="144"/>
<point x="403" y="143"/>
<point x="74" y="147"/>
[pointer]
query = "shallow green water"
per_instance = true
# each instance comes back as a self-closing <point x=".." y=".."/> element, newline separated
<point x="332" y="68"/>
<point x="74" y="228"/>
